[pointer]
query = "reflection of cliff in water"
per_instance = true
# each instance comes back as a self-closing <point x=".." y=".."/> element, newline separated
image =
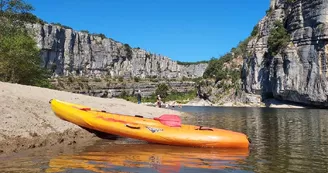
<point x="141" y="157"/>
<point x="282" y="139"/>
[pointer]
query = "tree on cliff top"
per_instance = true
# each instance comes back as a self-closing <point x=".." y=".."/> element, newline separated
<point x="18" y="11"/>
<point x="20" y="60"/>
<point x="15" y="6"/>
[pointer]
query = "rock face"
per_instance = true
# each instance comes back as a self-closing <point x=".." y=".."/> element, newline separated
<point x="66" y="52"/>
<point x="299" y="72"/>
<point x="146" y="88"/>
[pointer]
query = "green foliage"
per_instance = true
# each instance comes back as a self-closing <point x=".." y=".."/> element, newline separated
<point x="59" y="24"/>
<point x="136" y="79"/>
<point x="216" y="66"/>
<point x="278" y="38"/>
<point x="17" y="11"/>
<point x="191" y="63"/>
<point x="255" y="31"/>
<point x="85" y="31"/>
<point x="269" y="11"/>
<point x="120" y="79"/>
<point x="162" y="90"/>
<point x="15" y="6"/>
<point x="241" y="49"/>
<point x="20" y="60"/>
<point x="291" y="1"/>
<point x="101" y="35"/>
<point x="180" y="97"/>
<point x="97" y="80"/>
<point x="128" y="51"/>
<point x="228" y="77"/>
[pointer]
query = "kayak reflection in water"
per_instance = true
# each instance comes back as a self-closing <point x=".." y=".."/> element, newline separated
<point x="161" y="158"/>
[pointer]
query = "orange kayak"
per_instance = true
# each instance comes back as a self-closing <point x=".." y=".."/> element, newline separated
<point x="147" y="129"/>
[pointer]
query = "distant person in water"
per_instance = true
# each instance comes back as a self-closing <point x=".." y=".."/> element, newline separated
<point x="139" y="96"/>
<point x="159" y="101"/>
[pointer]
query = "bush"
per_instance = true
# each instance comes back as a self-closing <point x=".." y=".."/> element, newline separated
<point x="20" y="60"/>
<point x="162" y="90"/>
<point x="269" y="11"/>
<point x="255" y="31"/>
<point x="85" y="31"/>
<point x="136" y="79"/>
<point x="101" y="35"/>
<point x="128" y="51"/>
<point x="191" y="63"/>
<point x="180" y="97"/>
<point x="120" y="79"/>
<point x="59" y="24"/>
<point x="278" y="39"/>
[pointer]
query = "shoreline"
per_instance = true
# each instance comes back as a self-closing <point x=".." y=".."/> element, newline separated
<point x="270" y="103"/>
<point x="28" y="121"/>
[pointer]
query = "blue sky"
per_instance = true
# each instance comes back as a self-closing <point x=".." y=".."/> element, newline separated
<point x="184" y="30"/>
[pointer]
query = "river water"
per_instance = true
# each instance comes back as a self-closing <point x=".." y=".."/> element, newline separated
<point x="283" y="140"/>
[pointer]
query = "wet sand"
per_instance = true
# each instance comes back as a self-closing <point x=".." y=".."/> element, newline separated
<point x="28" y="122"/>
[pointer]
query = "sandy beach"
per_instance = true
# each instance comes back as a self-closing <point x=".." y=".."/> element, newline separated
<point x="27" y="120"/>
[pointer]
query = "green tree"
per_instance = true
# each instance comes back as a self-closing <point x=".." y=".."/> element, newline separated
<point x="15" y="6"/>
<point x="278" y="38"/>
<point x="162" y="90"/>
<point x="20" y="60"/>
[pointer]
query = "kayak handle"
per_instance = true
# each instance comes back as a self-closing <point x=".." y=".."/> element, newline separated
<point x="204" y="128"/>
<point x="139" y="116"/>
<point x="132" y="127"/>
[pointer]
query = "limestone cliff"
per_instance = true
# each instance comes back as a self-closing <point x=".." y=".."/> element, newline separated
<point x="298" y="72"/>
<point x="66" y="52"/>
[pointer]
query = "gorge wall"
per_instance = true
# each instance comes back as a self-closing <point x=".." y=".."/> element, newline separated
<point x="298" y="73"/>
<point x="68" y="52"/>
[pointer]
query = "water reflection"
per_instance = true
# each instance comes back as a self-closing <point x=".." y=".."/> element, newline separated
<point x="283" y="140"/>
<point x="152" y="157"/>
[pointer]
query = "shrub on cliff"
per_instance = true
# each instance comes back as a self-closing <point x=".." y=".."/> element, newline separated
<point x="255" y="31"/>
<point x="128" y="51"/>
<point x="278" y="38"/>
<point x="191" y="63"/>
<point x="18" y="10"/>
<point x="216" y="66"/>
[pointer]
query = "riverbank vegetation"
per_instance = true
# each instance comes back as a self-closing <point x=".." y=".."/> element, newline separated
<point x="20" y="60"/>
<point x="226" y="70"/>
<point x="178" y="97"/>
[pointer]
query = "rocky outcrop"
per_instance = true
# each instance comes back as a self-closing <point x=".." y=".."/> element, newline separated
<point x="298" y="73"/>
<point x="66" y="52"/>
<point x="104" y="90"/>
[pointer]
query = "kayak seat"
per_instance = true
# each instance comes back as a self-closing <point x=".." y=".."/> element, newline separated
<point x="169" y="120"/>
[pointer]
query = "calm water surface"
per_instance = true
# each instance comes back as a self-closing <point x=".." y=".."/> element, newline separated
<point x="283" y="140"/>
